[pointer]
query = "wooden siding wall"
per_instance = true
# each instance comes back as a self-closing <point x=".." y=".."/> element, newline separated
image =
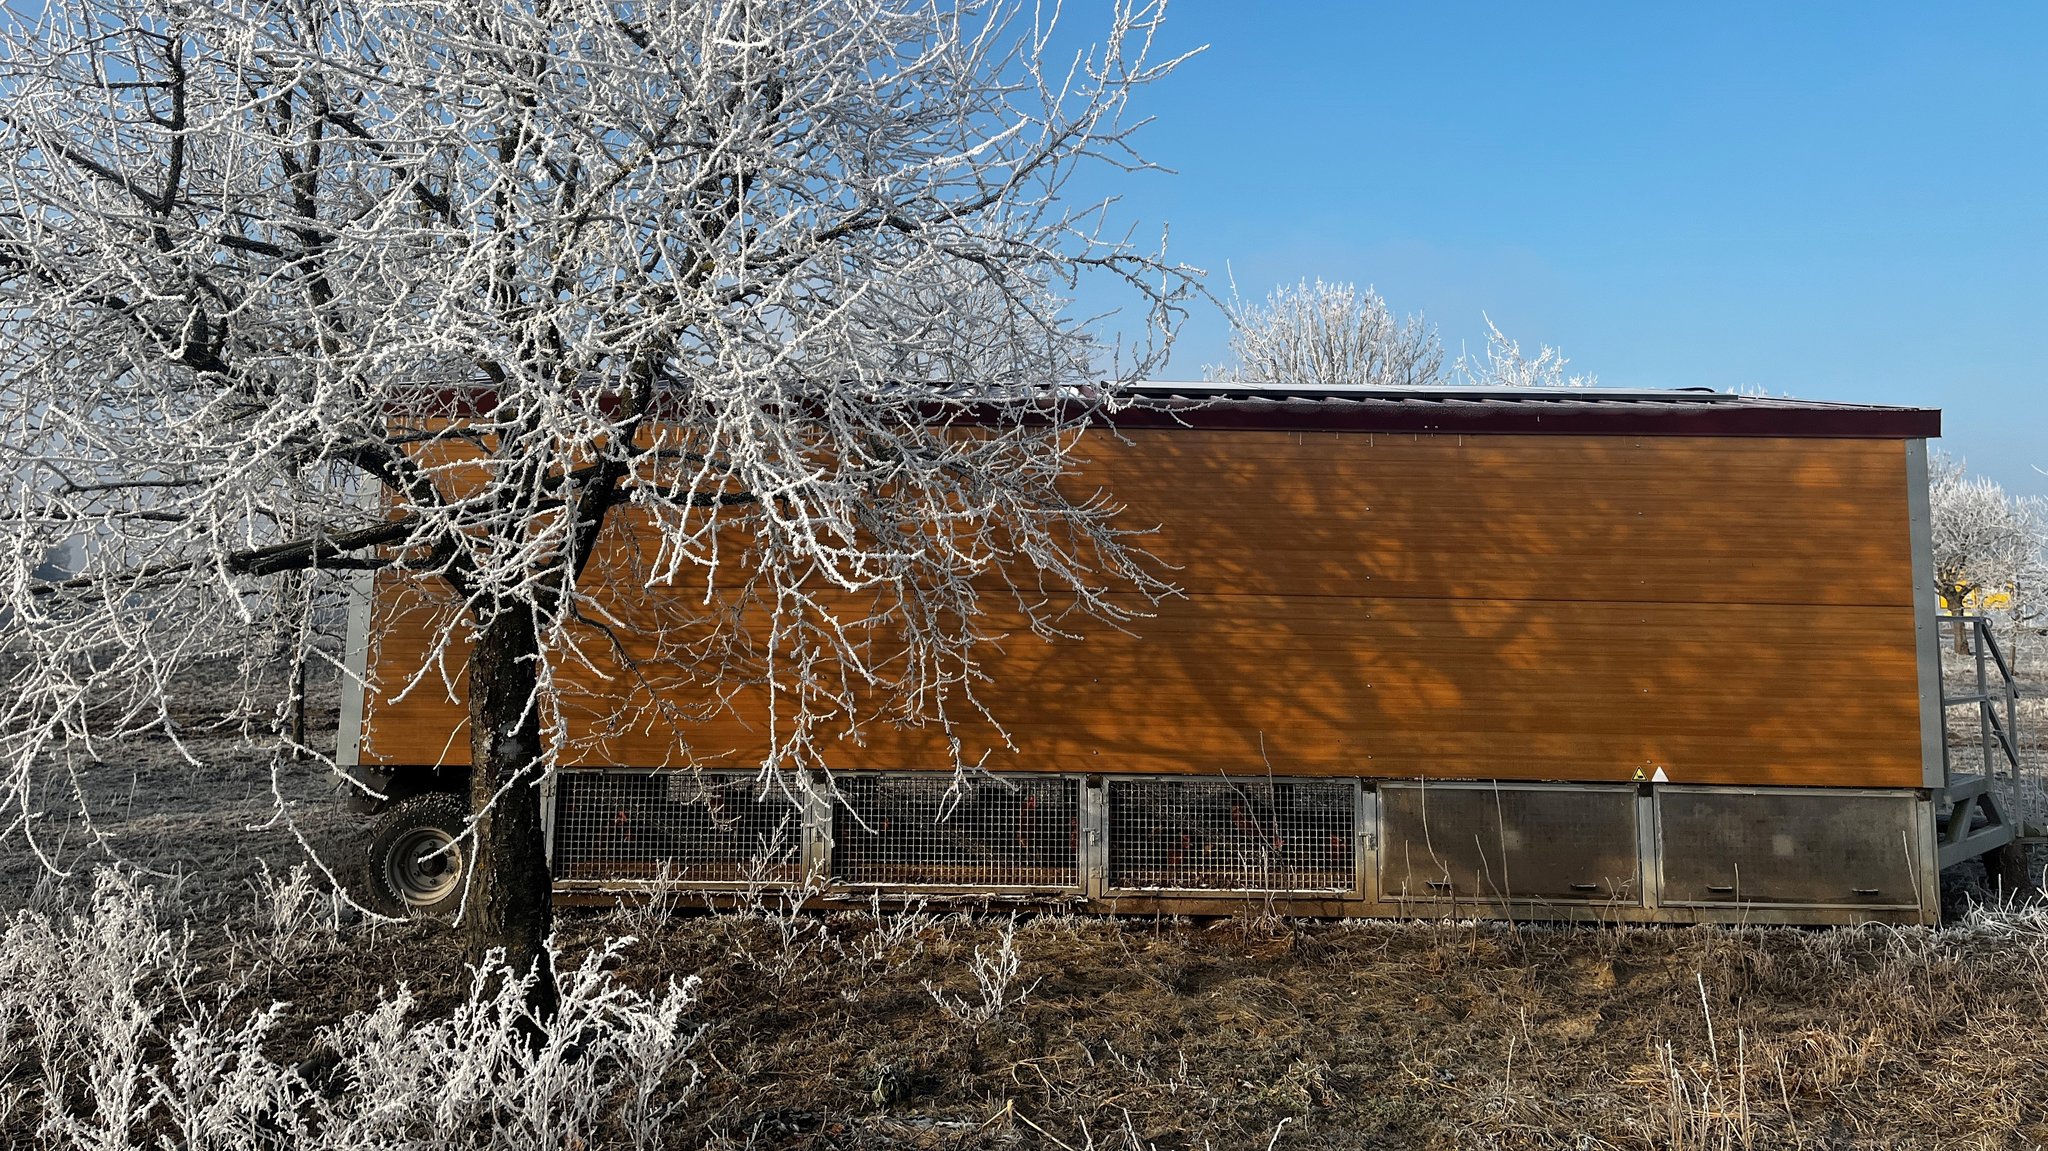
<point x="1732" y="611"/>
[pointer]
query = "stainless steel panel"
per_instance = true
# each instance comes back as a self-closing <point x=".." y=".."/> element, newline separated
<point x="348" y="733"/>
<point x="1926" y="631"/>
<point x="1806" y="847"/>
<point x="1565" y="843"/>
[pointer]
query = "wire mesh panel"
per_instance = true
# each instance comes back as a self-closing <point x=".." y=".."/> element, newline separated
<point x="707" y="827"/>
<point x="1223" y="835"/>
<point x="1001" y="831"/>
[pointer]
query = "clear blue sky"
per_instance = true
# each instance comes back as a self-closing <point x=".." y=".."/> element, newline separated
<point x="1830" y="200"/>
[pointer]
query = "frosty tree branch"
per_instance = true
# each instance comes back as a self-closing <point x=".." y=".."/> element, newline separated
<point x="439" y="290"/>
<point x="1507" y="366"/>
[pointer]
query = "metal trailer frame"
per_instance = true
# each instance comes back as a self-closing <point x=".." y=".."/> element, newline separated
<point x="1953" y="817"/>
<point x="2004" y="803"/>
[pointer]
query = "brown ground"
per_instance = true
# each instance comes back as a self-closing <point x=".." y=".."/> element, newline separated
<point x="822" y="1033"/>
<point x="1363" y="1035"/>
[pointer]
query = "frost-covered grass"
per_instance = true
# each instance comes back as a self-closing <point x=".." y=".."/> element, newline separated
<point x="114" y="1035"/>
<point x="130" y="1021"/>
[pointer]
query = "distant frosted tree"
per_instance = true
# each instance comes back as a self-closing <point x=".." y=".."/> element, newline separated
<point x="1505" y="366"/>
<point x="1324" y="333"/>
<point x="1328" y="333"/>
<point x="1988" y="544"/>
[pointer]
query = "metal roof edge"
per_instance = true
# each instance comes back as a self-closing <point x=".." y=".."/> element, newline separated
<point x="1250" y="390"/>
<point x="1513" y="411"/>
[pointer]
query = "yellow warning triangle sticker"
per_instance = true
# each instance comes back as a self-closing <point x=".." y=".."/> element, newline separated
<point x="1640" y="776"/>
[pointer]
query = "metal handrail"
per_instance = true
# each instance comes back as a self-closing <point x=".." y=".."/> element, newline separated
<point x="1998" y="739"/>
<point x="1997" y="655"/>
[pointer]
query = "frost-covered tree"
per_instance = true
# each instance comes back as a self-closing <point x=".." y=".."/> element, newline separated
<point x="1506" y="366"/>
<point x="1324" y="333"/>
<point x="1328" y="333"/>
<point x="297" y="291"/>
<point x="1988" y="544"/>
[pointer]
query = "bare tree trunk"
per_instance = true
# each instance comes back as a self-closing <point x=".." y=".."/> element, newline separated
<point x="298" y="726"/>
<point x="294" y="601"/>
<point x="1954" y="599"/>
<point x="508" y="908"/>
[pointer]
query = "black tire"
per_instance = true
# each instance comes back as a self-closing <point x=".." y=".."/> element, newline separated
<point x="417" y="862"/>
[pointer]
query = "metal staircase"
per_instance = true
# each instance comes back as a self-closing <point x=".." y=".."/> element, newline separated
<point x="1997" y="800"/>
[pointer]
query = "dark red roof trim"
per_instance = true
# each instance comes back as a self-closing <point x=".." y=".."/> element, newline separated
<point x="1521" y="412"/>
<point x="1499" y="411"/>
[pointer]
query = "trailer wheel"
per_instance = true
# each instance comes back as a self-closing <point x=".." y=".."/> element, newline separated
<point x="417" y="859"/>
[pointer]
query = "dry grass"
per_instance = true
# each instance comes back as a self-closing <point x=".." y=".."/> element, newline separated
<point x="1404" y="1034"/>
<point x="909" y="1029"/>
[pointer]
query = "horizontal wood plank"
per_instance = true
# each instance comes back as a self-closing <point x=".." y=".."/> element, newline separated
<point x="1537" y="607"/>
<point x="1413" y="688"/>
<point x="1592" y="518"/>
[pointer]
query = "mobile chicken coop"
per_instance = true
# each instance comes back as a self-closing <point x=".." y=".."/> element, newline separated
<point x="1665" y="656"/>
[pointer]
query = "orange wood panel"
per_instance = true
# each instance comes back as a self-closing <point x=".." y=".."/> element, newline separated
<point x="1579" y="517"/>
<point x="1754" y="694"/>
<point x="1731" y="611"/>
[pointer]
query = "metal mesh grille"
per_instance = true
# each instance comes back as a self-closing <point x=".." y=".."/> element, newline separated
<point x="708" y="827"/>
<point x="1017" y="831"/>
<point x="1218" y="835"/>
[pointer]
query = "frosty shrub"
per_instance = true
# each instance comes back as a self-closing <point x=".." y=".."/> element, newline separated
<point x="294" y="917"/>
<point x="995" y="982"/>
<point x="124" y="1041"/>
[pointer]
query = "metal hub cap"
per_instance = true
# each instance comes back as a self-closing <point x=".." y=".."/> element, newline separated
<point x="424" y="866"/>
